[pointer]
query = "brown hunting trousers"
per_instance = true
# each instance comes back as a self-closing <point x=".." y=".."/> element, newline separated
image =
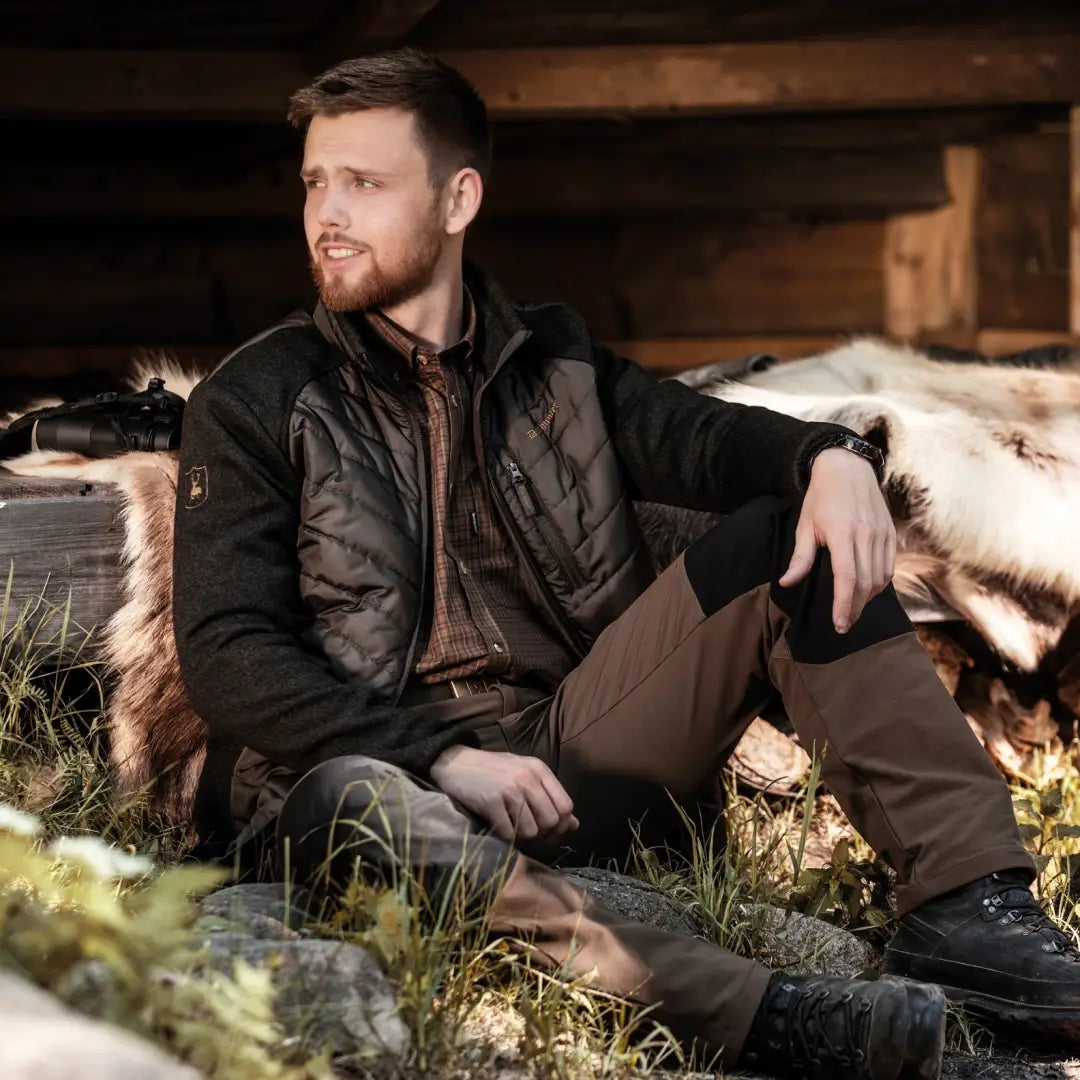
<point x="650" y="715"/>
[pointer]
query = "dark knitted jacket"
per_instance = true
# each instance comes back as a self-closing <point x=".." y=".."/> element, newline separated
<point x="301" y="559"/>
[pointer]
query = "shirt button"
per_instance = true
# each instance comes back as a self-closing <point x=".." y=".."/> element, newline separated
<point x="496" y="646"/>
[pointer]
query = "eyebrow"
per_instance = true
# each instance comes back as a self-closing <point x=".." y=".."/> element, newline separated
<point x="318" y="170"/>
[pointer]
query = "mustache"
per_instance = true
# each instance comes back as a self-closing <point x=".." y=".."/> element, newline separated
<point x="338" y="241"/>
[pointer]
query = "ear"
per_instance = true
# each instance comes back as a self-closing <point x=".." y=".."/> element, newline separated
<point x="464" y="193"/>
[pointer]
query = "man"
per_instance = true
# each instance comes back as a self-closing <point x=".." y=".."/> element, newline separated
<point x="408" y="578"/>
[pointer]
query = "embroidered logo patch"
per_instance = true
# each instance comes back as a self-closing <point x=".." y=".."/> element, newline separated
<point x="544" y="424"/>
<point x="198" y="486"/>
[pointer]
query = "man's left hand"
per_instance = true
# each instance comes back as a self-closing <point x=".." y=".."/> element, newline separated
<point x="845" y="511"/>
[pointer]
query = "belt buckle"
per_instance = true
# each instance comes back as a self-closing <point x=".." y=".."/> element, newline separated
<point x="462" y="687"/>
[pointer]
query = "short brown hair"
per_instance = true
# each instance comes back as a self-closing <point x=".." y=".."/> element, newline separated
<point x="451" y="118"/>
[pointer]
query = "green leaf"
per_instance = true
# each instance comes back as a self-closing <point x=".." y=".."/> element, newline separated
<point x="1051" y="802"/>
<point x="1030" y="832"/>
<point x="1065" y="832"/>
<point x="841" y="854"/>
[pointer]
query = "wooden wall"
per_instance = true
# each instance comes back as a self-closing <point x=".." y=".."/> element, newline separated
<point x="819" y="174"/>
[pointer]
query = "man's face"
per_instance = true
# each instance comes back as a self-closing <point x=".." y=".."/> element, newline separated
<point x="373" y="221"/>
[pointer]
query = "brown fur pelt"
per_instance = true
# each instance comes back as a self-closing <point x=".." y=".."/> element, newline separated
<point x="156" y="742"/>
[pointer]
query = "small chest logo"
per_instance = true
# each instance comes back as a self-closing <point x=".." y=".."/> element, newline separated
<point x="544" y="424"/>
<point x="197" y="486"/>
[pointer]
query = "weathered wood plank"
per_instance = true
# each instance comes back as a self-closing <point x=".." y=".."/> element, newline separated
<point x="60" y="544"/>
<point x="872" y="73"/>
<point x="931" y="274"/>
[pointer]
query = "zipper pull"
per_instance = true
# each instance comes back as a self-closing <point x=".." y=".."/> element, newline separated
<point x="522" y="485"/>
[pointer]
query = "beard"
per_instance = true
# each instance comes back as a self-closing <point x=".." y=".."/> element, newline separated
<point x="386" y="282"/>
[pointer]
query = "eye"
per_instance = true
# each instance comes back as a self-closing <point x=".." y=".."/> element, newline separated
<point x="312" y="182"/>
<point x="364" y="182"/>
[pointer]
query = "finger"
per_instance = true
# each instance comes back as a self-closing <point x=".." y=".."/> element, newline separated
<point x="864" y="572"/>
<point x="843" y="563"/>
<point x="560" y="798"/>
<point x="521" y="816"/>
<point x="802" y="558"/>
<point x="881" y="558"/>
<point x="499" y="820"/>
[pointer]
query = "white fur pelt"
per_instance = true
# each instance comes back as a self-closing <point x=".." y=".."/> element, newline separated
<point x="982" y="473"/>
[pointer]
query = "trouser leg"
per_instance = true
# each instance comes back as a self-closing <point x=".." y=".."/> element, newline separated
<point x="355" y="808"/>
<point x="670" y="686"/>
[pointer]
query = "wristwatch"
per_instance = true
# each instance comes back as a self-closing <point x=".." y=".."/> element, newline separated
<point x="856" y="446"/>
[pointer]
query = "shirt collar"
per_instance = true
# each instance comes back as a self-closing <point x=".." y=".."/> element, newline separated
<point x="408" y="346"/>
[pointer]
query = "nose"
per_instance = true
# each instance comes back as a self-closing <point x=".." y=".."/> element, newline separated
<point x="331" y="212"/>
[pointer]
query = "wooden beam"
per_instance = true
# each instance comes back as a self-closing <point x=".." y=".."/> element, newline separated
<point x="787" y="76"/>
<point x="864" y="182"/>
<point x="780" y="75"/>
<point x="1074" y="220"/>
<point x="929" y="258"/>
<point x="112" y="83"/>
<point x="692" y="276"/>
<point x="840" y="183"/>
<point x="1022" y="232"/>
<point x="367" y="25"/>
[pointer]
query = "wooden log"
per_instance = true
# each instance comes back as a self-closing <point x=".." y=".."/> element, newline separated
<point x="872" y="73"/>
<point x="931" y="278"/>
<point x="853" y="183"/>
<point x="784" y="75"/>
<point x="63" y="548"/>
<point x="687" y="277"/>
<point x="73" y="307"/>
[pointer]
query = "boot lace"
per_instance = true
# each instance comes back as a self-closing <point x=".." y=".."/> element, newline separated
<point x="1015" y="904"/>
<point x="812" y="1035"/>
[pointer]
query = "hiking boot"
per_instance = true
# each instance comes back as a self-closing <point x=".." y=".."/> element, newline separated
<point x="992" y="947"/>
<point x="849" y="1029"/>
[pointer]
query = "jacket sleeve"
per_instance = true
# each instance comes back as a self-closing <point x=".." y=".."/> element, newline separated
<point x="683" y="448"/>
<point x="237" y="610"/>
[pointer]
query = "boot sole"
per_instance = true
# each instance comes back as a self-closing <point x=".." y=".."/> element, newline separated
<point x="926" y="1036"/>
<point x="1044" y="1020"/>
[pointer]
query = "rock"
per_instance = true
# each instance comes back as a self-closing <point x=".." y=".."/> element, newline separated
<point x="1002" y="1067"/>
<point x="327" y="991"/>
<point x="807" y="944"/>
<point x="264" y="911"/>
<point x="40" y="1039"/>
<point x="633" y="899"/>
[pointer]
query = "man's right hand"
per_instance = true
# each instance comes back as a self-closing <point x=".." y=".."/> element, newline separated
<point x="518" y="796"/>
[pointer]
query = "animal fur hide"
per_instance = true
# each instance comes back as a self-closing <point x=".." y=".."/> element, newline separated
<point x="156" y="742"/>
<point x="983" y="476"/>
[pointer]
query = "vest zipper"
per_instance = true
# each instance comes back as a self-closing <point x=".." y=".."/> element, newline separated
<point x="534" y="507"/>
<point x="574" y="638"/>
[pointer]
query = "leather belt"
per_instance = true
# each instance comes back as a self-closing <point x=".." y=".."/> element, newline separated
<point x="446" y="691"/>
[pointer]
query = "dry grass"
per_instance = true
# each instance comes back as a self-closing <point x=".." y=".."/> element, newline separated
<point x="474" y="1007"/>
